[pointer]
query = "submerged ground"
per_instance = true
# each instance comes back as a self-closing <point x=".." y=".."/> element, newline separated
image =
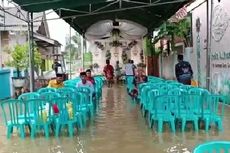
<point x="117" y="127"/>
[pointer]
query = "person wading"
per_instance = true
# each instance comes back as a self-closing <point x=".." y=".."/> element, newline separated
<point x="183" y="71"/>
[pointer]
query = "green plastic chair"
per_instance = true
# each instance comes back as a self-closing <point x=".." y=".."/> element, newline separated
<point x="65" y="92"/>
<point x="46" y="90"/>
<point x="87" y="100"/>
<point x="12" y="109"/>
<point x="213" y="147"/>
<point x="152" y="94"/>
<point x="163" y="112"/>
<point x="188" y="105"/>
<point x="213" y="111"/>
<point x="144" y="98"/>
<point x="28" y="96"/>
<point x="63" y="118"/>
<point x="48" y="96"/>
<point x="42" y="117"/>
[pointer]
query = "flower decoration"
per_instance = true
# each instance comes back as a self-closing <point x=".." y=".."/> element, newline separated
<point x="124" y="57"/>
<point x="108" y="55"/>
<point x="99" y="45"/>
<point x="115" y="44"/>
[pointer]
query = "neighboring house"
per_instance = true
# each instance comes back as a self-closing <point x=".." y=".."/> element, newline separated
<point x="15" y="31"/>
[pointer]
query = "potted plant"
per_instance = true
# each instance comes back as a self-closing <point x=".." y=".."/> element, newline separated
<point x="19" y="61"/>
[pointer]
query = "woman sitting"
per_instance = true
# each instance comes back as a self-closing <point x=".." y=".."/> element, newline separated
<point x="139" y="78"/>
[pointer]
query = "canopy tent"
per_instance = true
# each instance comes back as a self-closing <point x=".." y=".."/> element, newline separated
<point x="81" y="14"/>
<point x="104" y="30"/>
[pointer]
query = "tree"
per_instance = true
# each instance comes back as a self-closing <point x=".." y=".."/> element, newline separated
<point x="20" y="58"/>
<point x="73" y="49"/>
<point x="181" y="29"/>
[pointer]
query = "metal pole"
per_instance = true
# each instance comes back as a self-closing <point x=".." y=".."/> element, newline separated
<point x="209" y="40"/>
<point x="1" y="62"/>
<point x="31" y="52"/>
<point x="70" y="58"/>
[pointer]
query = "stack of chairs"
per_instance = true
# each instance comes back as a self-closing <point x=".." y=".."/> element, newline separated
<point x="172" y="102"/>
<point x="51" y="109"/>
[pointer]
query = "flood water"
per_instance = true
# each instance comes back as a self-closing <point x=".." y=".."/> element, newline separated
<point x="117" y="128"/>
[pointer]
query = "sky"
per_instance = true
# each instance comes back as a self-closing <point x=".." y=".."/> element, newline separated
<point x="59" y="29"/>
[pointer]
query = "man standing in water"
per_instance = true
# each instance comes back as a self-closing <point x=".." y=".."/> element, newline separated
<point x="183" y="71"/>
<point x="55" y="66"/>
<point x="109" y="73"/>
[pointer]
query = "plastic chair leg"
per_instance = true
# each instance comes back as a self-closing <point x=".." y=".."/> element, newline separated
<point x="9" y="131"/>
<point x="70" y="129"/>
<point x="196" y="125"/>
<point x="172" y="122"/>
<point x="79" y="121"/>
<point x="160" y="126"/>
<point x="183" y="125"/>
<point x="33" y="131"/>
<point x="46" y="128"/>
<point x="207" y="122"/>
<point x="57" y="130"/>
<point x="22" y="131"/>
<point x="219" y="125"/>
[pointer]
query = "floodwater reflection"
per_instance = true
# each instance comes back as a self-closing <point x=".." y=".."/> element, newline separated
<point x="117" y="127"/>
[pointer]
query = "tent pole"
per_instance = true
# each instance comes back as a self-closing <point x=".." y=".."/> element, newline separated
<point x="70" y="58"/>
<point x="209" y="42"/>
<point x="31" y="48"/>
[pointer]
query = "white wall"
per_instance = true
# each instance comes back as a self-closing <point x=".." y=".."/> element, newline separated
<point x="220" y="39"/>
<point x="99" y="55"/>
<point x="201" y="37"/>
<point x="168" y="67"/>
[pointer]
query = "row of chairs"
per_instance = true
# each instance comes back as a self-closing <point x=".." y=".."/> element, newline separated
<point x="50" y="108"/>
<point x="169" y="101"/>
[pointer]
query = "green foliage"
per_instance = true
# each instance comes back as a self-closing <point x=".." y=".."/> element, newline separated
<point x="148" y="47"/>
<point x="181" y="29"/>
<point x="73" y="49"/>
<point x="20" y="57"/>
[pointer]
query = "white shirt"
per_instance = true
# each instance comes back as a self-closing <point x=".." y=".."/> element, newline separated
<point x="129" y="69"/>
<point x="87" y="84"/>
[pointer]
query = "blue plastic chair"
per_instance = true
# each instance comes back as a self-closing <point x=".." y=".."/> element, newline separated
<point x="163" y="112"/>
<point x="213" y="111"/>
<point x="65" y="92"/>
<point x="28" y="96"/>
<point x="12" y="109"/>
<point x="188" y="106"/>
<point x="42" y="117"/>
<point x="152" y="94"/>
<point x="63" y="118"/>
<point x="213" y="147"/>
<point x="49" y="95"/>
<point x="46" y="90"/>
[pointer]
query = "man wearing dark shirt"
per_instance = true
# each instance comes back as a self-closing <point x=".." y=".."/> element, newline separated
<point x="183" y="71"/>
<point x="56" y="65"/>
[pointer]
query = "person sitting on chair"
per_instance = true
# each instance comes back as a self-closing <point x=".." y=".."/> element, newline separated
<point x="85" y="83"/>
<point x="57" y="82"/>
<point x="139" y="78"/>
<point x="89" y="77"/>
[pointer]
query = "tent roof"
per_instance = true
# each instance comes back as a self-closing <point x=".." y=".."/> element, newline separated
<point x="81" y="14"/>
